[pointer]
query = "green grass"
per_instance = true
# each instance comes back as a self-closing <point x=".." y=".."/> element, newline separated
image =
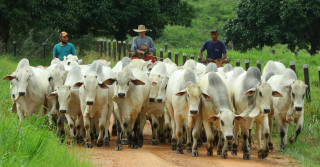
<point x="30" y="143"/>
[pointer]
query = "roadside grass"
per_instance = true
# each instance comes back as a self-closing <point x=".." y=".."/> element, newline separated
<point x="30" y="143"/>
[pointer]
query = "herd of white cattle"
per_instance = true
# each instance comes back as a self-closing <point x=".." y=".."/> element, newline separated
<point x="181" y="102"/>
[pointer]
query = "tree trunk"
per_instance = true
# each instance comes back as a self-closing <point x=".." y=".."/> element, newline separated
<point x="4" y="31"/>
<point x="314" y="48"/>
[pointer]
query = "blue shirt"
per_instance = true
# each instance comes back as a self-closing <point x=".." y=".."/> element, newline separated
<point x="138" y="42"/>
<point x="214" y="50"/>
<point x="61" y="51"/>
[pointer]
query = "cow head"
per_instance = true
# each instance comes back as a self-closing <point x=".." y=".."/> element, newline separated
<point x="226" y="120"/>
<point x="154" y="86"/>
<point x="297" y="90"/>
<point x="57" y="77"/>
<point x="162" y="89"/>
<point x="64" y="95"/>
<point x="262" y="97"/>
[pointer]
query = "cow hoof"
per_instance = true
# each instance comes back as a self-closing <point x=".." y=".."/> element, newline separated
<point x="134" y="146"/>
<point x="106" y="143"/>
<point x="154" y="143"/>
<point x="184" y="147"/>
<point x="246" y="156"/>
<point x="173" y="147"/>
<point x="234" y="152"/>
<point x="140" y="145"/>
<point x="291" y="140"/>
<point x="118" y="147"/>
<point x="270" y="146"/>
<point x="210" y="153"/>
<point x="282" y="147"/>
<point x="219" y="152"/>
<point x="99" y="144"/>
<point x="195" y="153"/>
<point x="124" y="142"/>
<point x="179" y="151"/>
<point x="189" y="150"/>
<point x="88" y="145"/>
<point x="224" y="156"/>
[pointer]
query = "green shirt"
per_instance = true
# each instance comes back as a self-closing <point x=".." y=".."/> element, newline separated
<point x="61" y="51"/>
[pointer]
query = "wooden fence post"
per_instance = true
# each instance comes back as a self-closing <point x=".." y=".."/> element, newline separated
<point x="124" y="48"/>
<point x="105" y="47"/>
<point x="184" y="58"/>
<point x="169" y="54"/>
<point x="44" y="50"/>
<point x="273" y="51"/>
<point x="192" y="56"/>
<point x="176" y="55"/>
<point x="119" y="50"/>
<point x="114" y="49"/>
<point x="129" y="49"/>
<point x="14" y="48"/>
<point x="165" y="47"/>
<point x="293" y="66"/>
<point x="247" y="63"/>
<point x="295" y="52"/>
<point x="161" y="54"/>
<point x="109" y="48"/>
<point x="259" y="65"/>
<point x="237" y="62"/>
<point x="306" y="81"/>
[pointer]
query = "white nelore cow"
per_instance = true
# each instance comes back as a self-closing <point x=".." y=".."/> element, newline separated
<point x="272" y="68"/>
<point x="131" y="98"/>
<point x="28" y="89"/>
<point x="93" y="94"/>
<point x="69" y="102"/>
<point x="290" y="108"/>
<point x="182" y="103"/>
<point x="252" y="100"/>
<point x="158" y="79"/>
<point x="217" y="107"/>
<point x="70" y="58"/>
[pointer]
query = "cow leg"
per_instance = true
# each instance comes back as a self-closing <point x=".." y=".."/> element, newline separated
<point x="258" y="137"/>
<point x="167" y="125"/>
<point x="299" y="125"/>
<point x="114" y="126"/>
<point x="136" y="137"/>
<point x="86" y="121"/>
<point x="208" y="130"/>
<point x="106" y="137"/>
<point x="20" y="112"/>
<point x="220" y="143"/>
<point x="155" y="130"/>
<point x="225" y="142"/>
<point x="173" y="125"/>
<point x="270" y="142"/>
<point x="179" y="134"/>
<point x="196" y="135"/>
<point x="71" y="128"/>
<point x="60" y="128"/>
<point x="161" y="129"/>
<point x="142" y="123"/>
<point x="234" y="150"/>
<point x="79" y="125"/>
<point x="266" y="134"/>
<point x="246" y="149"/>
<point x="102" y="125"/>
<point x="188" y="131"/>
<point x="118" y="144"/>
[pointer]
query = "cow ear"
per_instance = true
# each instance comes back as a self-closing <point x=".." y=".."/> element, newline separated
<point x="109" y="81"/>
<point x="103" y="86"/>
<point x="50" y="79"/>
<point x="79" y="61"/>
<point x="239" y="118"/>
<point x="250" y="92"/>
<point x="78" y="84"/>
<point x="8" y="78"/>
<point x="137" y="82"/>
<point x="53" y="94"/>
<point x="276" y="94"/>
<point x="182" y="92"/>
<point x="213" y="118"/>
<point x="206" y="96"/>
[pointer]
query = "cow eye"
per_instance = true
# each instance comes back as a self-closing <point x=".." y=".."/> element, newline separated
<point x="260" y="94"/>
<point x="222" y="123"/>
<point x="17" y="79"/>
<point x="292" y="94"/>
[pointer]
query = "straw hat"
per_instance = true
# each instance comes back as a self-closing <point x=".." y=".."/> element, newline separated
<point x="141" y="28"/>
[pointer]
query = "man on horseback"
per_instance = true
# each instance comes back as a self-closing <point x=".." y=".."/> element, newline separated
<point x="142" y="45"/>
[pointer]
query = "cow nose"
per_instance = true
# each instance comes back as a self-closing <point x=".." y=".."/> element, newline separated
<point x="159" y="100"/>
<point x="63" y="111"/>
<point x="298" y="108"/>
<point x="22" y="93"/>
<point x="193" y="111"/>
<point x="69" y="63"/>
<point x="89" y="102"/>
<point x="121" y="94"/>
<point x="229" y="137"/>
<point x="266" y="111"/>
<point x="151" y="99"/>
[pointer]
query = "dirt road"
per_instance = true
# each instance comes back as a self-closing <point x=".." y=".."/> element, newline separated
<point x="162" y="155"/>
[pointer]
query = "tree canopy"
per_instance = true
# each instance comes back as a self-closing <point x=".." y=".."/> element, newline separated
<point x="269" y="22"/>
<point x="113" y="18"/>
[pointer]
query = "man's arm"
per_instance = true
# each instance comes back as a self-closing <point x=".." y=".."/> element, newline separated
<point x="73" y="50"/>
<point x="55" y="54"/>
<point x="151" y="48"/>
<point x="201" y="56"/>
<point x="134" y="45"/>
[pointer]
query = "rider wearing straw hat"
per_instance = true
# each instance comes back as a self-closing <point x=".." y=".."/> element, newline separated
<point x="142" y="45"/>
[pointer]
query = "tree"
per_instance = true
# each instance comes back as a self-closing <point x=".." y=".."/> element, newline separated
<point x="269" y="22"/>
